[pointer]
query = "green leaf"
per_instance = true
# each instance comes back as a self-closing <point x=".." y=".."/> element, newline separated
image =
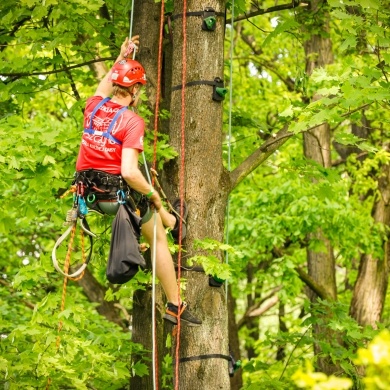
<point x="373" y="4"/>
<point x="48" y="160"/>
<point x="350" y="42"/>
<point x="280" y="28"/>
<point x="287" y="112"/>
<point x="346" y="138"/>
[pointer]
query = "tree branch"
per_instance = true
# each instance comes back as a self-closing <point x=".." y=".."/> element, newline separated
<point x="268" y="305"/>
<point x="62" y="69"/>
<point x="259" y="156"/>
<point x="260" y="11"/>
<point x="256" y="311"/>
<point x="26" y="303"/>
<point x="264" y="151"/>
<point x="96" y="293"/>
<point x="250" y="41"/>
<point x="313" y="285"/>
<point x="16" y="27"/>
<point x="72" y="83"/>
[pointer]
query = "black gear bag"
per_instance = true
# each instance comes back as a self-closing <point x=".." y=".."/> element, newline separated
<point x="125" y="257"/>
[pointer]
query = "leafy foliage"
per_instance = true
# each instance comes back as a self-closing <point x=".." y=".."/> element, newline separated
<point x="49" y="55"/>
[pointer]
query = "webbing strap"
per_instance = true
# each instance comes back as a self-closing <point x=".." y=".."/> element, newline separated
<point x="106" y="134"/>
<point x="192" y="83"/>
<point x="105" y="100"/>
<point x="196" y="13"/>
<point x="204" y="357"/>
<point x="190" y="269"/>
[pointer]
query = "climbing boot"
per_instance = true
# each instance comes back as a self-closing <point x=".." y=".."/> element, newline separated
<point x="175" y="230"/>
<point x="186" y="317"/>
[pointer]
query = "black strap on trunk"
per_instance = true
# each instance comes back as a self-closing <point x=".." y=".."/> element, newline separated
<point x="209" y="17"/>
<point x="204" y="357"/>
<point x="219" y="90"/>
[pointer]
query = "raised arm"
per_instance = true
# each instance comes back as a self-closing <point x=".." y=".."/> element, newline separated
<point x="104" y="88"/>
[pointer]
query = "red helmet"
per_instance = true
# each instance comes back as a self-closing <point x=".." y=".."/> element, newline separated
<point x="127" y="73"/>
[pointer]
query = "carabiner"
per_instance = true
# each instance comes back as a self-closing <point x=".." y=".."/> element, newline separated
<point x="121" y="197"/>
<point x="91" y="198"/>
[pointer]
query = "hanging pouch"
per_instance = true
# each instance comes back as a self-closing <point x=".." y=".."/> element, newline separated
<point x="125" y="257"/>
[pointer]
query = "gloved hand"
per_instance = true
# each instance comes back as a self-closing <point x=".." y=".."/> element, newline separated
<point x="128" y="46"/>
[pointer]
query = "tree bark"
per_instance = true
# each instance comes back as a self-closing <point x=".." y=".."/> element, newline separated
<point x="321" y="265"/>
<point x="234" y="342"/>
<point x="146" y="24"/>
<point x="200" y="167"/>
<point x="371" y="285"/>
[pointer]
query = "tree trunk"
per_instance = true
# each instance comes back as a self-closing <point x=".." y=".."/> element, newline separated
<point x="321" y="266"/>
<point x="234" y="342"/>
<point x="205" y="192"/>
<point x="96" y="293"/>
<point x="146" y="24"/>
<point x="205" y="188"/>
<point x="371" y="285"/>
<point x="253" y="322"/>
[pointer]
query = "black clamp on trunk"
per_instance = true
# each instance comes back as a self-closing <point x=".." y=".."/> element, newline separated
<point x="209" y="17"/>
<point x="209" y="22"/>
<point x="219" y="90"/>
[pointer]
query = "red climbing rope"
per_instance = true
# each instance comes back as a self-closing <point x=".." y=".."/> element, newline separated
<point x="182" y="178"/>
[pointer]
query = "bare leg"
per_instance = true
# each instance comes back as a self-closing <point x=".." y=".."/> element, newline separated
<point x="165" y="269"/>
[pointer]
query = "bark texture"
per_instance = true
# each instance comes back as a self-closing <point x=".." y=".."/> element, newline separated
<point x="96" y="293"/>
<point x="317" y="144"/>
<point x="371" y="285"/>
<point x="234" y="342"/>
<point x="199" y="166"/>
<point x="146" y="24"/>
<point x="205" y="192"/>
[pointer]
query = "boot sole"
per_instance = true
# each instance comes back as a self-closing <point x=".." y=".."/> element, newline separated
<point x="173" y="320"/>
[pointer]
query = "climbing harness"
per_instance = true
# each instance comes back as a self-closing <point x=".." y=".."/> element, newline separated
<point x="97" y="192"/>
<point x="103" y="192"/>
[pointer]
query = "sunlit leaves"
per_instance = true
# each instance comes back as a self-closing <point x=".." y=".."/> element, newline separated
<point x="375" y="358"/>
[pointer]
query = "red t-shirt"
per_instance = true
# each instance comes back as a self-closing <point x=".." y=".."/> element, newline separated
<point x="98" y="152"/>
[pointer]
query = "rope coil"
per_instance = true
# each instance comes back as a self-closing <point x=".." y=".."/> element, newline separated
<point x="71" y="231"/>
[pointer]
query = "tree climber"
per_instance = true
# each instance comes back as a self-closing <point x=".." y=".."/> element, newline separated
<point x="108" y="157"/>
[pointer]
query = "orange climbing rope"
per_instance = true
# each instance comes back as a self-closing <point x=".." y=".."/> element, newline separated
<point x="65" y="282"/>
<point x="182" y="183"/>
